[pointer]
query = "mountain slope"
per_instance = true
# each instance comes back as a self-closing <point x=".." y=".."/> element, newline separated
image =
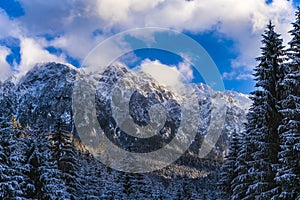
<point x="44" y="96"/>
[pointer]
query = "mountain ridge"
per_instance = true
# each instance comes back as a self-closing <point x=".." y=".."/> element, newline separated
<point x="41" y="102"/>
<point x="45" y="94"/>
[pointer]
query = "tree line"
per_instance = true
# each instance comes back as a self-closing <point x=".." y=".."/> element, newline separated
<point x="36" y="163"/>
<point x="264" y="161"/>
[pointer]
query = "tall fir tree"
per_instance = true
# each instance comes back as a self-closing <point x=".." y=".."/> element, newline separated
<point x="9" y="184"/>
<point x="8" y="100"/>
<point x="91" y="177"/>
<point x="52" y="186"/>
<point x="265" y="137"/>
<point x="66" y="155"/>
<point x="257" y="157"/>
<point x="15" y="180"/>
<point x="242" y="179"/>
<point x="288" y="172"/>
<point x="228" y="170"/>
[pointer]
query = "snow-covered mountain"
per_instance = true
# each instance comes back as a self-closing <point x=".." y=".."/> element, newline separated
<point x="44" y="95"/>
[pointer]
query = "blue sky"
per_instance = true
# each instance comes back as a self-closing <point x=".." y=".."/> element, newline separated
<point x="66" y="31"/>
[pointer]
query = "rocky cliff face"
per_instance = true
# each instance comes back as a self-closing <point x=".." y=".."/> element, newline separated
<point x="44" y="95"/>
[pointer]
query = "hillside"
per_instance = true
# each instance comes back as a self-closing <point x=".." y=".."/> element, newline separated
<point x="40" y="104"/>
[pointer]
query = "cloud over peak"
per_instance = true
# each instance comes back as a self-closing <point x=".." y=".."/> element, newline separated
<point x="76" y="26"/>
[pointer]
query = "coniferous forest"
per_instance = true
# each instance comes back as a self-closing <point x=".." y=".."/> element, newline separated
<point x="264" y="161"/>
<point x="46" y="160"/>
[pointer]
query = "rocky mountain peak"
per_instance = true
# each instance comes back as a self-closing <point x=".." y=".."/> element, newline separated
<point x="44" y="95"/>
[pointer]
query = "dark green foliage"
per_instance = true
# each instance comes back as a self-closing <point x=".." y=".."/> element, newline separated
<point x="15" y="179"/>
<point x="268" y="159"/>
<point x="264" y="118"/>
<point x="228" y="170"/>
<point x="8" y="100"/>
<point x="253" y="174"/>
<point x="288" y="170"/>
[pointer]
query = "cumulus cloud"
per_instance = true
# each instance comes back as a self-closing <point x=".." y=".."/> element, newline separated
<point x="185" y="68"/>
<point x="233" y="75"/>
<point x="32" y="49"/>
<point x="76" y="26"/>
<point x="32" y="52"/>
<point x="4" y="66"/>
<point x="169" y="75"/>
<point x="8" y="26"/>
<point x="230" y="16"/>
<point x="241" y="21"/>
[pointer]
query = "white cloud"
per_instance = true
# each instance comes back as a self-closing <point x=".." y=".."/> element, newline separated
<point x="4" y="66"/>
<point x="196" y="15"/>
<point x="32" y="52"/>
<point x="164" y="74"/>
<point x="74" y="21"/>
<point x="186" y="71"/>
<point x="168" y="75"/>
<point x="8" y="26"/>
<point x="245" y="76"/>
<point x="31" y="48"/>
<point x="241" y="21"/>
<point x="233" y="75"/>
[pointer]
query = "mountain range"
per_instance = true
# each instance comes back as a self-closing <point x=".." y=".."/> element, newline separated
<point x="44" y="95"/>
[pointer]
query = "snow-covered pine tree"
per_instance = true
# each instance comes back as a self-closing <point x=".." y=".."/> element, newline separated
<point x="157" y="190"/>
<point x="7" y="100"/>
<point x="14" y="180"/>
<point x="66" y="155"/>
<point x="228" y="170"/>
<point x="9" y="187"/>
<point x="52" y="186"/>
<point x="113" y="184"/>
<point x="34" y="158"/>
<point x="242" y="180"/>
<point x="5" y="181"/>
<point x="264" y="135"/>
<point x="257" y="157"/>
<point x="288" y="171"/>
<point x="90" y="177"/>
<point x="179" y="191"/>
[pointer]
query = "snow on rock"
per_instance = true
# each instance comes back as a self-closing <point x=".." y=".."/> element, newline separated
<point x="44" y="94"/>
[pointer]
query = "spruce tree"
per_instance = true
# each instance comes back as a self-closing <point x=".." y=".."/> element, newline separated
<point x="34" y="158"/>
<point x="9" y="187"/>
<point x="257" y="157"/>
<point x="14" y="179"/>
<point x="52" y="186"/>
<point x="91" y="177"/>
<point x="288" y="172"/>
<point x="264" y="135"/>
<point x="66" y="155"/>
<point x="242" y="180"/>
<point x="8" y="100"/>
<point x="228" y="170"/>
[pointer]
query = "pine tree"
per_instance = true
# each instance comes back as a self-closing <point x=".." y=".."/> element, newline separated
<point x="9" y="187"/>
<point x="14" y="167"/>
<point x="8" y="99"/>
<point x="157" y="190"/>
<point x="66" y="155"/>
<point x="228" y="170"/>
<point x="34" y="158"/>
<point x="264" y="136"/>
<point x="257" y="157"/>
<point x="91" y="177"/>
<point x="288" y="172"/>
<point x="69" y="165"/>
<point x="52" y="186"/>
<point x="242" y="180"/>
<point x="113" y="184"/>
